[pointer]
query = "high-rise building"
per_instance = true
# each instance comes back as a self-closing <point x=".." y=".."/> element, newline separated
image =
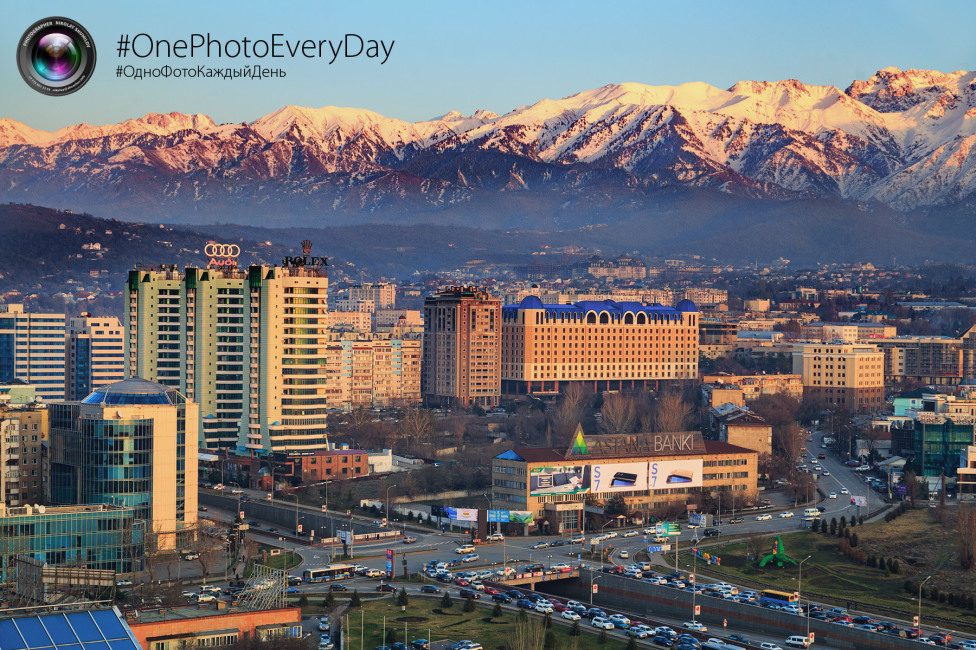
<point x="381" y="294"/>
<point x="849" y="375"/>
<point x="605" y="345"/>
<point x="371" y="370"/>
<point x="24" y="432"/>
<point x="32" y="349"/>
<point x="132" y="443"/>
<point x="247" y="345"/>
<point x="95" y="354"/>
<point x="462" y="355"/>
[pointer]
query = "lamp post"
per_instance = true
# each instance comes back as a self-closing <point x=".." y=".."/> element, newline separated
<point x="799" y="587"/>
<point x="601" y="541"/>
<point x="919" y="617"/>
<point x="387" y="512"/>
<point x="491" y="506"/>
<point x="550" y="561"/>
<point x="593" y="579"/>
<point x="694" y="580"/>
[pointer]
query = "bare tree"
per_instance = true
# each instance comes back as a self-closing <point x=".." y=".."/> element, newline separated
<point x="568" y="412"/>
<point x="529" y="634"/>
<point x="416" y="425"/>
<point x="671" y="412"/>
<point x="788" y="441"/>
<point x="755" y="544"/>
<point x="618" y="414"/>
<point x="913" y="487"/>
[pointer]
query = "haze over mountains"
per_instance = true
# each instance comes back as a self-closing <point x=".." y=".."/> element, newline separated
<point x="685" y="163"/>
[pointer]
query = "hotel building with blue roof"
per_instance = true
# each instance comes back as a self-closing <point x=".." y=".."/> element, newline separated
<point x="605" y="345"/>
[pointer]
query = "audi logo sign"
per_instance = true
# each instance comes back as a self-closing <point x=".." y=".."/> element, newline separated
<point x="213" y="249"/>
<point x="221" y="255"/>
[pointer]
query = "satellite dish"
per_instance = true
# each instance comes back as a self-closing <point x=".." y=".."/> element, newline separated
<point x="40" y="509"/>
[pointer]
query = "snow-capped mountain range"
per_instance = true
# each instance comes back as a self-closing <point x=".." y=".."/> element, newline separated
<point x="900" y="138"/>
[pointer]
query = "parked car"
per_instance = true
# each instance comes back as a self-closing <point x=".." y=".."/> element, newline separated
<point x="338" y="587"/>
<point x="602" y="623"/>
<point x="570" y="615"/>
<point x="409" y="540"/>
<point x="765" y="517"/>
<point x="430" y="589"/>
<point x="694" y="625"/>
<point x="539" y="545"/>
<point x="385" y="586"/>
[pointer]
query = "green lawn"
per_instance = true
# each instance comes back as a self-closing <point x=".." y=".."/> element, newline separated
<point x="425" y="619"/>
<point x="830" y="577"/>
<point x="285" y="560"/>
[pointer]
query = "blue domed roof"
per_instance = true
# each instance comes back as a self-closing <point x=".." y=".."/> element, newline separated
<point x="686" y="305"/>
<point x="531" y="302"/>
<point x="134" y="390"/>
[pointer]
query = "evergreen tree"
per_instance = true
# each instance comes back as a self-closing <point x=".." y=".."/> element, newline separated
<point x="355" y="601"/>
<point x="576" y="630"/>
<point x="402" y="599"/>
<point x="468" y="604"/>
<point x="496" y="611"/>
<point x="603" y="637"/>
<point x="329" y="601"/>
<point x="632" y="644"/>
<point x="446" y="602"/>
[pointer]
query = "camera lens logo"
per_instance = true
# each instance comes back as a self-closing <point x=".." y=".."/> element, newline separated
<point x="56" y="56"/>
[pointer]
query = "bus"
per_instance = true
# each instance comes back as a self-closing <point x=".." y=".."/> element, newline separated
<point x="774" y="597"/>
<point x="329" y="572"/>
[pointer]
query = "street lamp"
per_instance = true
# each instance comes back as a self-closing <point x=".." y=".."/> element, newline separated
<point x="491" y="506"/>
<point x="593" y="579"/>
<point x="694" y="579"/>
<point x="799" y="587"/>
<point x="550" y="561"/>
<point x="919" y="617"/>
<point x="388" y="517"/>
<point x="601" y="541"/>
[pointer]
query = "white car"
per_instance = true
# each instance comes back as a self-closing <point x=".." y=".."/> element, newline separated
<point x="611" y="534"/>
<point x="464" y="550"/>
<point x="561" y="567"/>
<point x="832" y="495"/>
<point x="570" y="615"/>
<point x="602" y="623"/>
<point x="631" y="533"/>
<point x="477" y="585"/>
<point x="844" y="491"/>
<point x="766" y="645"/>
<point x="619" y="619"/>
<point x="784" y="515"/>
<point x="544" y="607"/>
<point x="470" y="557"/>
<point x="375" y="573"/>
<point x="694" y="625"/>
<point x="765" y="517"/>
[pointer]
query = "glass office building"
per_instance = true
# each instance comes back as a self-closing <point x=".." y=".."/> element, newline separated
<point x="95" y="537"/>
<point x="133" y="444"/>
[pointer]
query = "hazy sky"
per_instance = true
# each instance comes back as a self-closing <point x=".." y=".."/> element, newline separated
<point x="483" y="55"/>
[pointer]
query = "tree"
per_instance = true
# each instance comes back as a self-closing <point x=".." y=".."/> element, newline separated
<point x="402" y="599"/>
<point x="446" y="602"/>
<point x="632" y="644"/>
<point x="575" y="630"/>
<point x="416" y="425"/>
<point x="615" y="505"/>
<point x="529" y="633"/>
<point x="568" y="412"/>
<point x="755" y="545"/>
<point x="671" y="412"/>
<point x="468" y="604"/>
<point x="355" y="601"/>
<point x="329" y="601"/>
<point x="618" y="414"/>
<point x="496" y="611"/>
<point x="913" y="487"/>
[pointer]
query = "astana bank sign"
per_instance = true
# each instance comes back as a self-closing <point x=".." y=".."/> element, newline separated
<point x="639" y="444"/>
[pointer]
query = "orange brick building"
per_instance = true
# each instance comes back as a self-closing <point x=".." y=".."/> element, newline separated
<point x="332" y="464"/>
<point x="174" y="628"/>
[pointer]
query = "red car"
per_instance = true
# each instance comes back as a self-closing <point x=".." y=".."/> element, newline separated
<point x="557" y="606"/>
<point x="491" y="591"/>
<point x="462" y="582"/>
<point x="385" y="587"/>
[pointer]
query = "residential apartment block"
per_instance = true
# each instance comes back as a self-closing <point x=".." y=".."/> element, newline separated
<point x="95" y="354"/>
<point x="32" y="349"/>
<point x="849" y="375"/>
<point x="24" y="432"/>
<point x="462" y="339"/>
<point x="755" y="386"/>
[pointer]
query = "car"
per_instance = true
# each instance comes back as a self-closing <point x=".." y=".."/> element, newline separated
<point x="324" y="626"/>
<point x="736" y="520"/>
<point x="832" y="495"/>
<point x="544" y="607"/>
<point x="631" y="533"/>
<point x="385" y="586"/>
<point x="664" y="641"/>
<point x="123" y="583"/>
<point x="469" y="593"/>
<point x="739" y="639"/>
<point x="525" y="603"/>
<point x="623" y="555"/>
<point x="844" y="490"/>
<point x="595" y="612"/>
<point x="420" y="644"/>
<point x="638" y="632"/>
<point x="477" y="584"/>
<point x="576" y="540"/>
<point x="514" y="594"/>
<point x="375" y="573"/>
<point x="464" y="550"/>
<point x="688" y="640"/>
<point x="237" y="491"/>
<point x="570" y="615"/>
<point x="190" y="556"/>
<point x="205" y="598"/>
<point x="788" y="513"/>
<point x="766" y="645"/>
<point x="825" y="473"/>
<point x="409" y="540"/>
<point x="602" y="623"/>
<point x="562" y="567"/>
<point x="203" y="508"/>
<point x="338" y="587"/>
<point x="712" y="532"/>
<point x="461" y="581"/>
<point x="765" y="517"/>
<point x="325" y="643"/>
<point x="619" y="620"/>
<point x="694" y="625"/>
<point x="501" y="598"/>
<point x="430" y="589"/>
<point x="539" y="545"/>
<point x="470" y="557"/>
<point x="611" y="534"/>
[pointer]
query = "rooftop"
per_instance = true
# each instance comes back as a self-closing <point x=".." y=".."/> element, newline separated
<point x="132" y="391"/>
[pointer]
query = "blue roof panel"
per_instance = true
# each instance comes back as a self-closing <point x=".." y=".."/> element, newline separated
<point x="97" y="630"/>
<point x="33" y="632"/>
<point x="59" y="629"/>
<point x="10" y="636"/>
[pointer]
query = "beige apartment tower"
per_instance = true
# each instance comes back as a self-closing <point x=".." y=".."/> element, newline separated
<point x="849" y="375"/>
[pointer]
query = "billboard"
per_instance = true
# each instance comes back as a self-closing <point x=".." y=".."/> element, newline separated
<point x="498" y="516"/>
<point x="520" y="516"/>
<point x="467" y="514"/>
<point x="655" y="475"/>
<point x="859" y="501"/>
<point x="563" y="479"/>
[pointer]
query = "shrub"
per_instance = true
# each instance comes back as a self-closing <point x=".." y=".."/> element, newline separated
<point x="391" y="636"/>
<point x="468" y="604"/>
<point x="446" y="602"/>
<point x="496" y="611"/>
<point x="576" y="630"/>
<point x="910" y="587"/>
<point x="872" y="561"/>
<point x="329" y="601"/>
<point x="942" y="597"/>
<point x="303" y="601"/>
<point x="547" y="620"/>
<point x="895" y="566"/>
<point x="843" y="521"/>
<point x="632" y="644"/>
<point x="853" y="521"/>
<point x="355" y="601"/>
<point x="521" y="617"/>
<point x="853" y="540"/>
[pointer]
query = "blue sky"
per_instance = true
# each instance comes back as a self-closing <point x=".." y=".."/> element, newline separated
<point x="486" y="55"/>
